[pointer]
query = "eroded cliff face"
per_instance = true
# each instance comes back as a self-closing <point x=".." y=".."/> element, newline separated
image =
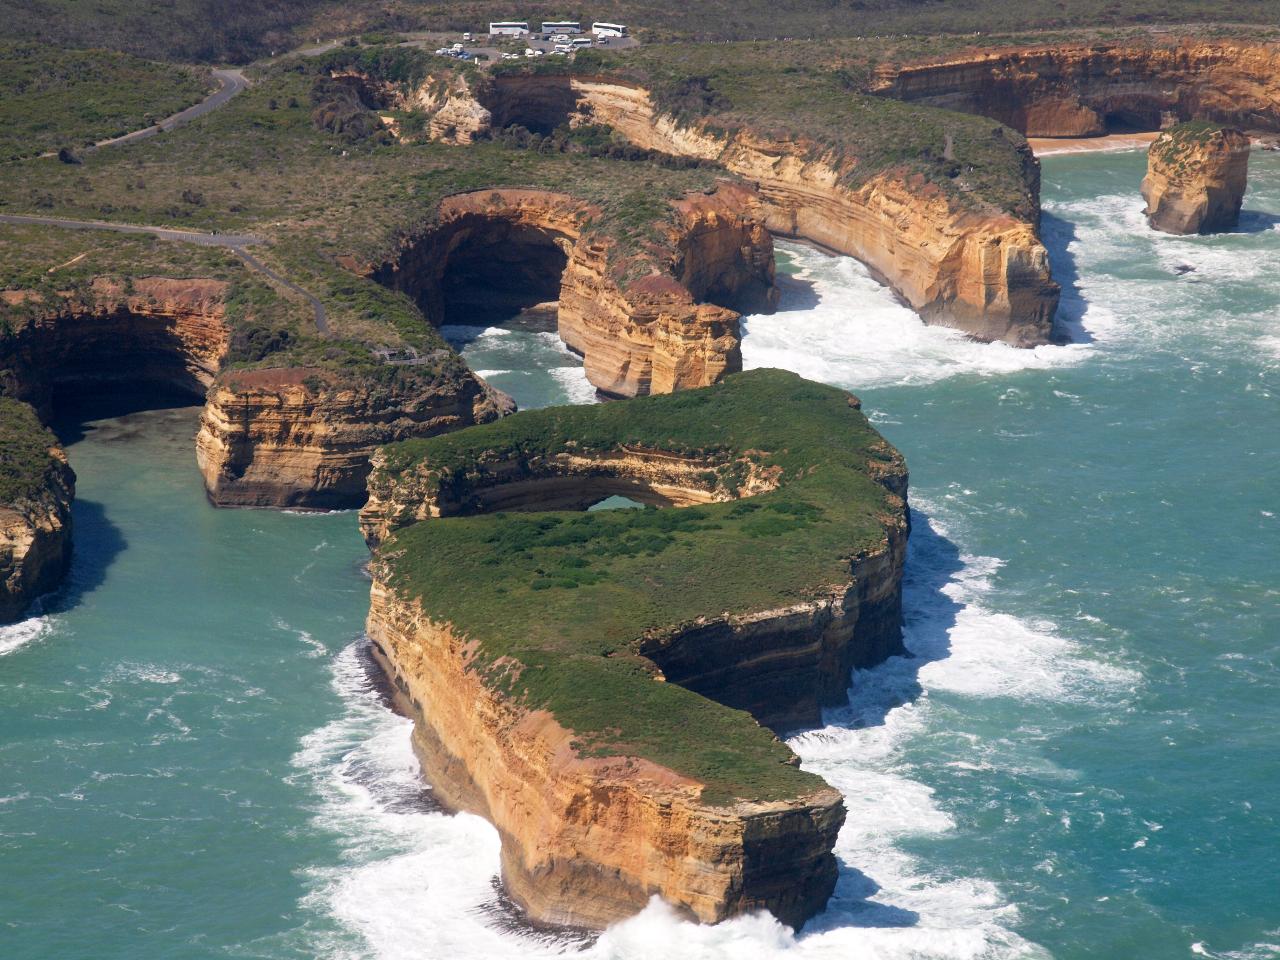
<point x="35" y="539"/>
<point x="1196" y="178"/>
<point x="587" y="841"/>
<point x="1081" y="91"/>
<point x="640" y="322"/>
<point x="983" y="272"/>
<point x="290" y="437"/>
<point x="302" y="438"/>
<point x="159" y="332"/>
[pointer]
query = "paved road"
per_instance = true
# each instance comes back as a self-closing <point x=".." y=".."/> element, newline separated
<point x="230" y="83"/>
<point x="235" y="242"/>
<point x="322" y="318"/>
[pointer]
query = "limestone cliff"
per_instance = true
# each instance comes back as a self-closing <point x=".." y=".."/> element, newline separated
<point x="302" y="437"/>
<point x="587" y="840"/>
<point x="154" y="332"/>
<point x="35" y="510"/>
<point x="1196" y="178"/>
<point x="1086" y="90"/>
<point x="982" y="271"/>
<point x="647" y="321"/>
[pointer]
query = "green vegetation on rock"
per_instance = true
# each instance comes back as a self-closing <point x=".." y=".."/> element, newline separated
<point x="566" y="595"/>
<point x="25" y="460"/>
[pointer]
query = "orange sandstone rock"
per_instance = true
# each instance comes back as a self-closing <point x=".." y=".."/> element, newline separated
<point x="1196" y="178"/>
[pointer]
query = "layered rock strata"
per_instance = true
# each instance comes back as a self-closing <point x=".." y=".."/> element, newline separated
<point x="960" y="265"/>
<point x="1088" y="90"/>
<point x="35" y="510"/>
<point x="300" y="437"/>
<point x="612" y="756"/>
<point x="1196" y="177"/>
<point x="644" y="321"/>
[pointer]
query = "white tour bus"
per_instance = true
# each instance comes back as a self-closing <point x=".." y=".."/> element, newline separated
<point x="509" y="28"/>
<point x="609" y="29"/>
<point x="569" y="26"/>
<point x="580" y="43"/>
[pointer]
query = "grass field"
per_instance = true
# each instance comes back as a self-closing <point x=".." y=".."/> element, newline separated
<point x="568" y="594"/>
<point x="52" y="98"/>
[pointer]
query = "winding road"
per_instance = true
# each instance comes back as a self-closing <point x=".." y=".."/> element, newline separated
<point x="231" y="82"/>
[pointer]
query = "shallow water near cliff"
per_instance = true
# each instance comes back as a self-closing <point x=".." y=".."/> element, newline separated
<point x="1079" y="762"/>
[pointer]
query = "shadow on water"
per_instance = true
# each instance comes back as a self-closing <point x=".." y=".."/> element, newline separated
<point x="95" y="544"/>
<point x="1256" y="221"/>
<point x="1057" y="235"/>
<point x="74" y="415"/>
<point x="95" y="540"/>
<point x="797" y="293"/>
<point x="929" y="614"/>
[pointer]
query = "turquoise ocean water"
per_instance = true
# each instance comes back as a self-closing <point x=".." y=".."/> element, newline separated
<point x="1080" y="760"/>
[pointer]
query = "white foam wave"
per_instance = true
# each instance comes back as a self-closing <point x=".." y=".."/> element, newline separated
<point x="573" y="381"/>
<point x="142" y="673"/>
<point x="464" y="331"/>
<point x="14" y="636"/>
<point x="412" y="879"/>
<point x="315" y="648"/>
<point x="837" y="324"/>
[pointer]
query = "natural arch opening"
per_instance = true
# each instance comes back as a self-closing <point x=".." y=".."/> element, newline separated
<point x="481" y="269"/>
<point x="1132" y="120"/>
<point x="539" y="104"/>
<point x="498" y="269"/>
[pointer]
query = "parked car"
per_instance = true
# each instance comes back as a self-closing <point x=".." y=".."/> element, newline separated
<point x="466" y="38"/>
<point x="560" y="38"/>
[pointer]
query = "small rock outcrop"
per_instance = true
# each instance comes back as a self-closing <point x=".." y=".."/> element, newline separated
<point x="1196" y="177"/>
<point x="299" y="437"/>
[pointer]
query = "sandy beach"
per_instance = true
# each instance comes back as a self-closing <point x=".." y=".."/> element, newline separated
<point x="1047" y="146"/>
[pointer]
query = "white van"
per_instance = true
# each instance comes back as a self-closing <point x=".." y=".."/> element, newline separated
<point x="578" y="43"/>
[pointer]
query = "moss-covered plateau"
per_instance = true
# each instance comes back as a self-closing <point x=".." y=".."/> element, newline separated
<point x="559" y="603"/>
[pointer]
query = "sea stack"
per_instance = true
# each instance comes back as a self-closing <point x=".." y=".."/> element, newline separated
<point x="1196" y="177"/>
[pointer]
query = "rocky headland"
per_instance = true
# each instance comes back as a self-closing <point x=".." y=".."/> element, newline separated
<point x="36" y="489"/>
<point x="601" y="685"/>
<point x="1197" y="173"/>
<point x="648" y="318"/>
